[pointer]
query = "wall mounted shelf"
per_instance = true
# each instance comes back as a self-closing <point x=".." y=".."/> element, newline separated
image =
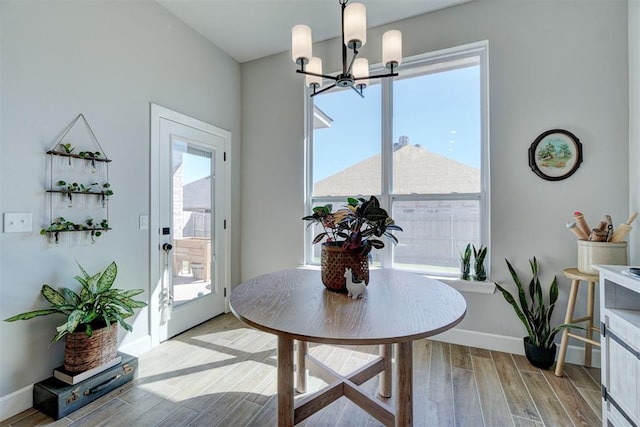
<point x="63" y="171"/>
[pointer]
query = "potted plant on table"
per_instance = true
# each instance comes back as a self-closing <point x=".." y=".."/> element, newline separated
<point x="536" y="316"/>
<point x="92" y="317"/>
<point x="348" y="236"/>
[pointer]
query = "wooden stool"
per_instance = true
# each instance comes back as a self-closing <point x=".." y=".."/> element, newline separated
<point x="576" y="277"/>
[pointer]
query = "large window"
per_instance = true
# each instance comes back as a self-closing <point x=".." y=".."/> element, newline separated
<point x="419" y="143"/>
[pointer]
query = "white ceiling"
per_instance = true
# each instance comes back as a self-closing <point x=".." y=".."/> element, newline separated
<point x="251" y="29"/>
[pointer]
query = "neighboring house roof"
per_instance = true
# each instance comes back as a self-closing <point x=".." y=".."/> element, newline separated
<point x="196" y="195"/>
<point x="415" y="171"/>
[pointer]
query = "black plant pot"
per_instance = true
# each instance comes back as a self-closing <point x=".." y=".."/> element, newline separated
<point x="539" y="357"/>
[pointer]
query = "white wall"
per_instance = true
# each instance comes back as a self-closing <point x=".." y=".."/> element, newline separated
<point x="552" y="65"/>
<point x="108" y="60"/>
<point x="634" y="124"/>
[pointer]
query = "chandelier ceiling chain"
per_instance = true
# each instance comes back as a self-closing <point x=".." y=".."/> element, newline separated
<point x="355" y="73"/>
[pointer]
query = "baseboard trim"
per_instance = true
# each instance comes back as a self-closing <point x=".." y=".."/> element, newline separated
<point x="575" y="354"/>
<point x="16" y="402"/>
<point x="137" y="347"/>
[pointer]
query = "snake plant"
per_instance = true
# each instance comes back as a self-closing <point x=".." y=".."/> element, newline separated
<point x="532" y="311"/>
<point x="465" y="263"/>
<point x="479" y="254"/>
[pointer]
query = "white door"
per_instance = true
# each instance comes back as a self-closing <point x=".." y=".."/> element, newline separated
<point x="189" y="242"/>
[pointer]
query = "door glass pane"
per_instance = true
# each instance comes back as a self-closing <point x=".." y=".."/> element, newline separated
<point x="192" y="195"/>
<point x="346" y="143"/>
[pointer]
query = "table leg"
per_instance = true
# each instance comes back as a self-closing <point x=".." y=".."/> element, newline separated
<point x="404" y="393"/>
<point x="573" y="294"/>
<point x="285" y="382"/>
<point x="385" y="378"/>
<point x="302" y="375"/>
<point x="588" y="347"/>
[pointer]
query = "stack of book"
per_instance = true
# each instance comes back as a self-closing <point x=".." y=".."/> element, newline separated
<point x="72" y="378"/>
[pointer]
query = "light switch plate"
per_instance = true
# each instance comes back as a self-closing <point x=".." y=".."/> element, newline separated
<point x="17" y="222"/>
<point x="144" y="222"/>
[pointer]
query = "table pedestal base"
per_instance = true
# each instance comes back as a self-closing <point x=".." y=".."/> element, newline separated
<point x="290" y="412"/>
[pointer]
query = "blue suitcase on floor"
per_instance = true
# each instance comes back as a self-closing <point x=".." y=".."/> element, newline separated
<point x="58" y="399"/>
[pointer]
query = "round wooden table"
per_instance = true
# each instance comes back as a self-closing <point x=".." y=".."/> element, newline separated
<point x="397" y="308"/>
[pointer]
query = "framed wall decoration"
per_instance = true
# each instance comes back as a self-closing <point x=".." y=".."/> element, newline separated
<point x="555" y="155"/>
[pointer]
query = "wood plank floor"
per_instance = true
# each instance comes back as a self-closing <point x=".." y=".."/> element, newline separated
<point x="223" y="373"/>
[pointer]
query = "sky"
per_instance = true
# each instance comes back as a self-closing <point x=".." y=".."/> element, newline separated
<point x="440" y="111"/>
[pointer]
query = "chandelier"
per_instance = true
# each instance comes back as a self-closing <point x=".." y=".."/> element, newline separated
<point x="355" y="72"/>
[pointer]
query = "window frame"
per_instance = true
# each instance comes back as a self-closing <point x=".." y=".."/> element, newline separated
<point x="477" y="49"/>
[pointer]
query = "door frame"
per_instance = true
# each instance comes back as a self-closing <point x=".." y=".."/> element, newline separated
<point x="155" y="281"/>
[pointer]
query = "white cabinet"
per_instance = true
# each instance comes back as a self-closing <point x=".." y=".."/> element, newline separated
<point x="620" y="329"/>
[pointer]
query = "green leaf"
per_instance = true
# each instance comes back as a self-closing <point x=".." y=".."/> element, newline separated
<point x="61" y="332"/>
<point x="53" y="296"/>
<point x="378" y="244"/>
<point x="521" y="295"/>
<point x="553" y="291"/>
<point x="84" y="273"/>
<point x="74" y="320"/>
<point x="32" y="314"/>
<point x="132" y="292"/>
<point x="507" y="296"/>
<point x="107" y="278"/>
<point x="319" y="237"/>
<point x="71" y="296"/>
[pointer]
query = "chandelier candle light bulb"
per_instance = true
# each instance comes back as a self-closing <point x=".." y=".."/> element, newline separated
<point x="301" y="46"/>
<point x="315" y="66"/>
<point x="360" y="72"/>
<point x="355" y="25"/>
<point x="392" y="48"/>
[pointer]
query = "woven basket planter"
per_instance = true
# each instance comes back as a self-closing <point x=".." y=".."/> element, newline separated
<point x="334" y="261"/>
<point x="82" y="353"/>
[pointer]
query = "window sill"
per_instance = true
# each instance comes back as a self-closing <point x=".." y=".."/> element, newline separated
<point x="467" y="286"/>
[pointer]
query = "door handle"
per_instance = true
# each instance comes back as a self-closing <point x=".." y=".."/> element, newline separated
<point x="167" y="247"/>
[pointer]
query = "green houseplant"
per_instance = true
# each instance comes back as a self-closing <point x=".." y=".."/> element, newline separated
<point x="348" y="236"/>
<point x="94" y="312"/>
<point x="465" y="263"/>
<point x="536" y="316"/>
<point x="479" y="273"/>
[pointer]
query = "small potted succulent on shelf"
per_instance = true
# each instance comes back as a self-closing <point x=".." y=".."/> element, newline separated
<point x="68" y="149"/>
<point x="106" y="192"/>
<point x="96" y="229"/>
<point x="348" y="235"/>
<point x="479" y="273"/>
<point x="57" y="225"/>
<point x="69" y="189"/>
<point x="93" y="155"/>
<point x="465" y="263"/>
<point x="91" y="317"/>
